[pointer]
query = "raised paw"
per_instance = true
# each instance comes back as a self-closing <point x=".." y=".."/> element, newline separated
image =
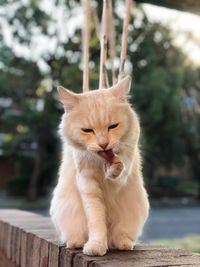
<point x="94" y="248"/>
<point x="114" y="169"/>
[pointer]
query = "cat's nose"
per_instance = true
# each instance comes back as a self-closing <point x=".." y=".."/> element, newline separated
<point x="103" y="145"/>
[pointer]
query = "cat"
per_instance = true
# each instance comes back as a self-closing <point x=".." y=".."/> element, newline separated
<point x="100" y="201"/>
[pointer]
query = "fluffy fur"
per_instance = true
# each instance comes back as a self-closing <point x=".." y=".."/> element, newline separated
<point x="99" y="201"/>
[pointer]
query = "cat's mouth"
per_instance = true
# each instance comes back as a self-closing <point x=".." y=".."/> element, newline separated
<point x="107" y="154"/>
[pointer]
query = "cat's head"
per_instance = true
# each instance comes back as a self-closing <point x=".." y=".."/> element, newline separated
<point x="100" y="119"/>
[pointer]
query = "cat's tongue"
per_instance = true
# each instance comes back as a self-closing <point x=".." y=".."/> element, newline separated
<point x="107" y="154"/>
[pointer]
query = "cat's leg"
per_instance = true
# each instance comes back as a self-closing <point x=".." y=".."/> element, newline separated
<point x="76" y="225"/>
<point x="123" y="238"/>
<point x="128" y="219"/>
<point x="124" y="234"/>
<point x="69" y="218"/>
<point x="94" y="207"/>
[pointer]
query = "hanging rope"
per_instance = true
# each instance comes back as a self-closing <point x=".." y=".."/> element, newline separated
<point x="95" y="19"/>
<point x="112" y="44"/>
<point x="124" y="39"/>
<point x="86" y="40"/>
<point x="97" y="29"/>
<point x="107" y="31"/>
<point x="104" y="43"/>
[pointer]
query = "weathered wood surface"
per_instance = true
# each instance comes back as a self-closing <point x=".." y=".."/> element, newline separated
<point x="29" y="240"/>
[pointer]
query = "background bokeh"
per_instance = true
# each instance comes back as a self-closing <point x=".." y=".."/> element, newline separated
<point x="40" y="47"/>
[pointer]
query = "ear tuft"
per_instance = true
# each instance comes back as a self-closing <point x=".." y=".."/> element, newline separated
<point x="61" y="91"/>
<point x="67" y="98"/>
<point x="122" y="88"/>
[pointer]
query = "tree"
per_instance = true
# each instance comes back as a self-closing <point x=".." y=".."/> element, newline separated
<point x="24" y="121"/>
<point x="191" y="120"/>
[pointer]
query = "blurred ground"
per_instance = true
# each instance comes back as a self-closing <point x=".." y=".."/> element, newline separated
<point x="11" y="202"/>
<point x="191" y="242"/>
<point x="170" y="223"/>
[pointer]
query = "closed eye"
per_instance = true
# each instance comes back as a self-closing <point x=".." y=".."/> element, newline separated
<point x="87" y="130"/>
<point x="112" y="126"/>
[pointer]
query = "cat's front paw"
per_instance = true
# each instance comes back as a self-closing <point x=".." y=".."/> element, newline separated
<point x="75" y="244"/>
<point x="123" y="243"/>
<point x="114" y="169"/>
<point x="95" y="248"/>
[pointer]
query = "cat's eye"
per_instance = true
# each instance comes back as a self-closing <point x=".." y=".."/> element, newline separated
<point x="87" y="130"/>
<point x="112" y="126"/>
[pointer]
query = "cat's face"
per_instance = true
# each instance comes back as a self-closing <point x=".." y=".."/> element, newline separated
<point x="97" y="120"/>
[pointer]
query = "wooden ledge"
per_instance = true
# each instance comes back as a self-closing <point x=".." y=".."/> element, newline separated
<point x="29" y="240"/>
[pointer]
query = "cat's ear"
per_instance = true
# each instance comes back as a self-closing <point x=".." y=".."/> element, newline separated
<point x="121" y="89"/>
<point x="68" y="98"/>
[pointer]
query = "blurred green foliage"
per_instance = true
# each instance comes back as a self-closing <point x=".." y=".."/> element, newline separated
<point x="165" y="93"/>
<point x="190" y="243"/>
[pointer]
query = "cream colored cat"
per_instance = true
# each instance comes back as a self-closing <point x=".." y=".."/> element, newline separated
<point x="99" y="201"/>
